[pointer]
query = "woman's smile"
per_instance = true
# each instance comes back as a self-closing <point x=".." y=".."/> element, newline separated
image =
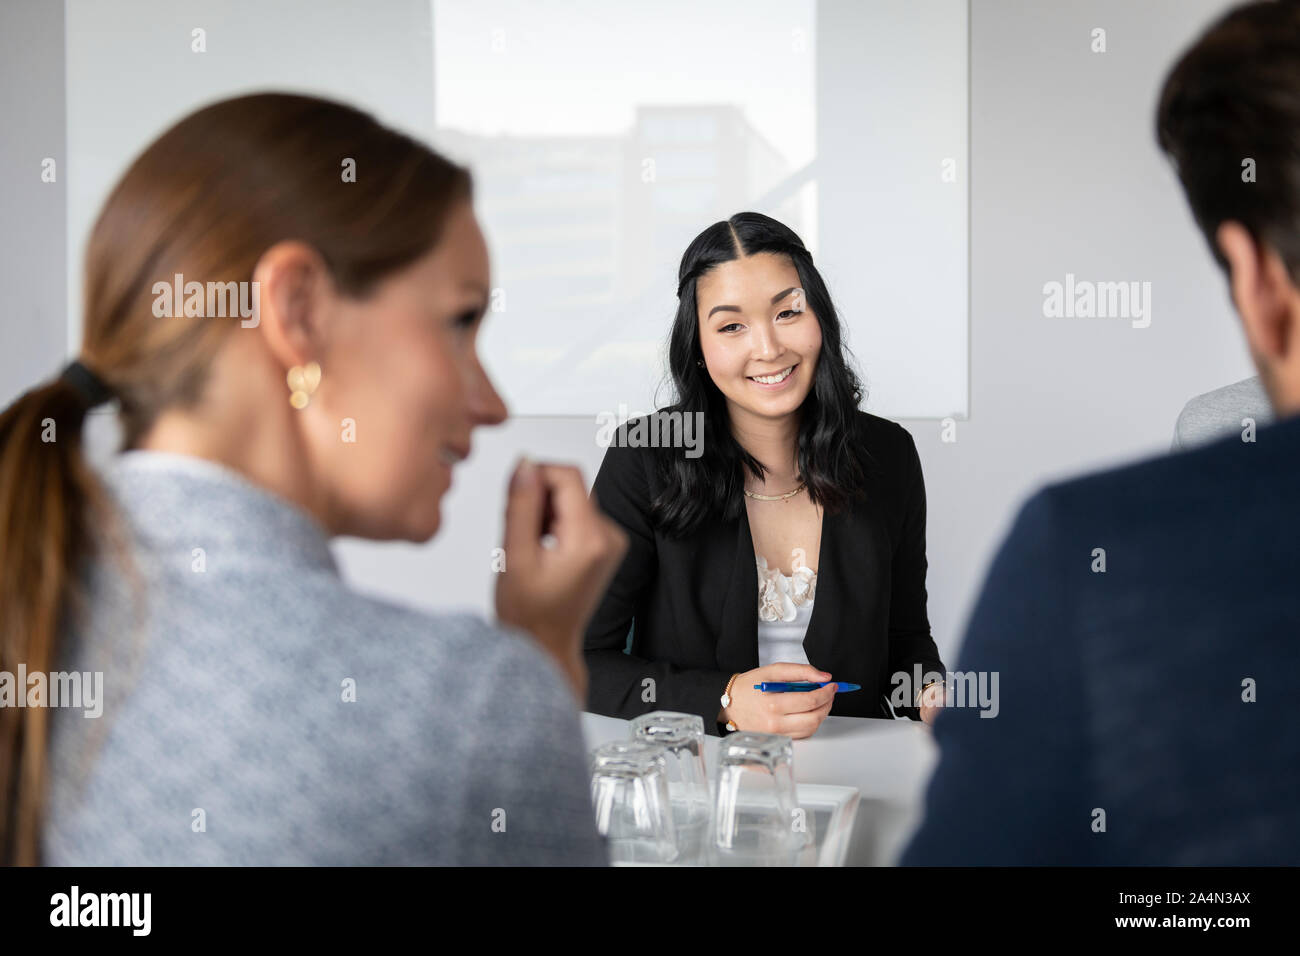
<point x="775" y="382"/>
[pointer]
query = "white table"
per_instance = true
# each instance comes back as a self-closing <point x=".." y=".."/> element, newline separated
<point x="889" y="761"/>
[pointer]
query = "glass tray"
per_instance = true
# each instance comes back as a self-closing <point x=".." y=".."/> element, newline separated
<point x="830" y="812"/>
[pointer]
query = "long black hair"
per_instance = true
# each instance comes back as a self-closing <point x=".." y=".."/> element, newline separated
<point x="832" y="461"/>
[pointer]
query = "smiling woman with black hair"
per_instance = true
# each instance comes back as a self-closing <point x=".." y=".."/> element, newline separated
<point x="824" y="501"/>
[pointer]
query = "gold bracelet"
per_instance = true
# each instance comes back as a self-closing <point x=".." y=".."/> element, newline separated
<point x="924" y="688"/>
<point x="726" y="699"/>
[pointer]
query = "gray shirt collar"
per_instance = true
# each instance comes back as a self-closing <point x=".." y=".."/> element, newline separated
<point x="179" y="502"/>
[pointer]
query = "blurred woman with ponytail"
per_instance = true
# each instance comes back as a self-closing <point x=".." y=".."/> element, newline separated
<point x="255" y="710"/>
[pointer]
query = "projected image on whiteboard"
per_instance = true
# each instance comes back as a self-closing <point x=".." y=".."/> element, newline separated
<point x="604" y="137"/>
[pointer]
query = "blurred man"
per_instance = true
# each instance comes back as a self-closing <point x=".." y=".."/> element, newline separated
<point x="1145" y="622"/>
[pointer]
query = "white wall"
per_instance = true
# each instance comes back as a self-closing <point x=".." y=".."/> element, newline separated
<point x="32" y="233"/>
<point x="604" y="137"/>
<point x="892" y="94"/>
<point x="1065" y="178"/>
<point x="132" y="71"/>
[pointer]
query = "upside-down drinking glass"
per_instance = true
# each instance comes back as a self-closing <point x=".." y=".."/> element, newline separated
<point x="629" y="792"/>
<point x="755" y="818"/>
<point x="682" y="735"/>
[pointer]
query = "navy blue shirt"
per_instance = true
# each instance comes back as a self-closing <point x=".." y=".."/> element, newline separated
<point x="1145" y="712"/>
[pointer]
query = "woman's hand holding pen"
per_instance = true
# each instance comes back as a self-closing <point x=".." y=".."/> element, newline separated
<point x="552" y="591"/>
<point x="796" y="715"/>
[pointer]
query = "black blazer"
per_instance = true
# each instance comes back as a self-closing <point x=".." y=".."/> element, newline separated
<point x="692" y="602"/>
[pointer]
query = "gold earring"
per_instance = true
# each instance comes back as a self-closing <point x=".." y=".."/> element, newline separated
<point x="302" y="380"/>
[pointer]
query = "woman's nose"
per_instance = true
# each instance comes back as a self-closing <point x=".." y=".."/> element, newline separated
<point x="765" y="342"/>
<point x="486" y="407"/>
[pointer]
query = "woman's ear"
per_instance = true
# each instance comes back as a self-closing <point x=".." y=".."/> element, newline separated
<point x="295" y="292"/>
<point x="1262" y="292"/>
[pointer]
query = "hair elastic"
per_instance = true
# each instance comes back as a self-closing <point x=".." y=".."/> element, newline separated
<point x="87" y="384"/>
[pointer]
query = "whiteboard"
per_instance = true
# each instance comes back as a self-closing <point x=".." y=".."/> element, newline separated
<point x="604" y="137"/>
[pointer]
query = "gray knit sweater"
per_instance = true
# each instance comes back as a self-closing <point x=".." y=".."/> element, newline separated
<point x="257" y="711"/>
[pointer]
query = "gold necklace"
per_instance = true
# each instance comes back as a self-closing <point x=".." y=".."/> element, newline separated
<point x="788" y="494"/>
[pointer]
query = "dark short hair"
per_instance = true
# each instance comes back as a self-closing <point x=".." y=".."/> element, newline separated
<point x="1235" y="94"/>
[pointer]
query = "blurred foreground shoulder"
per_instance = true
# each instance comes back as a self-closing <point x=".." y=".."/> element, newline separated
<point x="527" y="801"/>
<point x="499" y="714"/>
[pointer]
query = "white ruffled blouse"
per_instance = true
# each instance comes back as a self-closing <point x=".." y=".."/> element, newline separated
<point x="785" y="605"/>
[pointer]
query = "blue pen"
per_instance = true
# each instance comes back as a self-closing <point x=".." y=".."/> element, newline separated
<point x="784" y="687"/>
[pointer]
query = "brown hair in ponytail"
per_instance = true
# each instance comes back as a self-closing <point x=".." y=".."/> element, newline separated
<point x="205" y="200"/>
<point x="48" y="497"/>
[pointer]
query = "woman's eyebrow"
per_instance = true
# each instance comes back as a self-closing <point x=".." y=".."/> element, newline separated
<point x="735" y="308"/>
